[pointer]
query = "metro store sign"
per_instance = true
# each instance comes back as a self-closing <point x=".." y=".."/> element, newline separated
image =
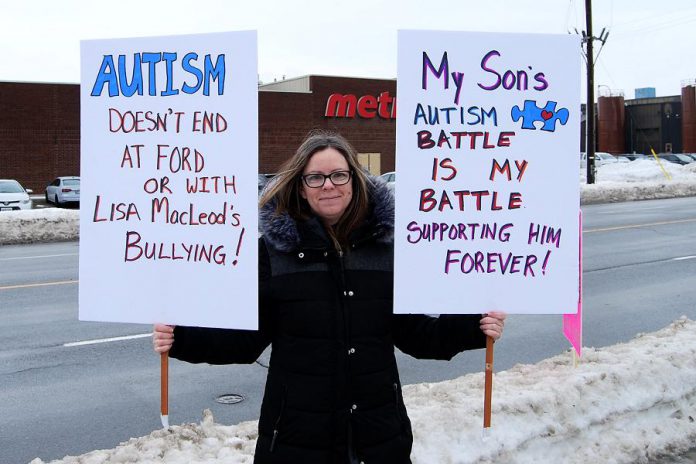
<point x="368" y="106"/>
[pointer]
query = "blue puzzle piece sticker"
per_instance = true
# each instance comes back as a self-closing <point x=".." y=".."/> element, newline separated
<point x="548" y="115"/>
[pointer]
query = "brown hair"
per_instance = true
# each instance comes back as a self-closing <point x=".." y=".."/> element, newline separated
<point x="285" y="186"/>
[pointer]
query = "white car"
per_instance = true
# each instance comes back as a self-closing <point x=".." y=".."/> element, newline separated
<point x="13" y="196"/>
<point x="63" y="190"/>
<point x="389" y="178"/>
<point x="602" y="158"/>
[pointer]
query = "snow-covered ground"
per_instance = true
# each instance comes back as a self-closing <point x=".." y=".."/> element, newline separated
<point x="639" y="180"/>
<point x="628" y="403"/>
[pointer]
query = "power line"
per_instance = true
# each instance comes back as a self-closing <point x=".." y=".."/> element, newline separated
<point x="568" y="11"/>
<point x="630" y="33"/>
<point x="606" y="70"/>
<point x="659" y="17"/>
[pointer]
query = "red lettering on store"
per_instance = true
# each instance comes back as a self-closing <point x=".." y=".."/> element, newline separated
<point x="368" y="106"/>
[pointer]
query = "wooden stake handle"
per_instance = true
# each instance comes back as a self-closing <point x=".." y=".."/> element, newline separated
<point x="488" y="396"/>
<point x="164" y="384"/>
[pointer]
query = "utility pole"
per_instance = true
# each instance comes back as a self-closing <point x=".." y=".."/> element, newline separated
<point x="590" y="110"/>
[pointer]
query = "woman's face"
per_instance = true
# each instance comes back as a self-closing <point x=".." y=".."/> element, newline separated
<point x="329" y="201"/>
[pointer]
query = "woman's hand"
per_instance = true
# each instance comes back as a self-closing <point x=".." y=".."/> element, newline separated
<point x="162" y="337"/>
<point x="492" y="324"/>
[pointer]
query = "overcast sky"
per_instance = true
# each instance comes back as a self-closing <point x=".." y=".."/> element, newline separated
<point x="651" y="43"/>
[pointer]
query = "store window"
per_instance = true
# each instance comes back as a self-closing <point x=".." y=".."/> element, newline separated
<point x="371" y="161"/>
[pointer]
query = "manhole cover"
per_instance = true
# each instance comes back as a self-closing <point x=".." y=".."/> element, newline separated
<point x="229" y="398"/>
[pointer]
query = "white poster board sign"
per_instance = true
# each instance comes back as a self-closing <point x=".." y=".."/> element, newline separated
<point x="169" y="164"/>
<point x="487" y="191"/>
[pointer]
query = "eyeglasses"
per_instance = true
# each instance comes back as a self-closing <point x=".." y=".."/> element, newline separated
<point x="318" y="180"/>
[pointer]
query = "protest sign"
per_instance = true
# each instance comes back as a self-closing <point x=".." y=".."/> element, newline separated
<point x="572" y="323"/>
<point x="487" y="195"/>
<point x="169" y="163"/>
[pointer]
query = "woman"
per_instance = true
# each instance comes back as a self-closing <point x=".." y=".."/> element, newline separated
<point x="333" y="393"/>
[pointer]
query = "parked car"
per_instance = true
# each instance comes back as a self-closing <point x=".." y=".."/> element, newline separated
<point x="389" y="178"/>
<point x="685" y="157"/>
<point x="63" y="190"/>
<point x="13" y="196"/>
<point x="602" y="158"/>
<point x="675" y="158"/>
<point x="264" y="179"/>
<point x="632" y="156"/>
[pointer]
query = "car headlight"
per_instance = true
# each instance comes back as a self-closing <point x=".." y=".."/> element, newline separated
<point x="25" y="202"/>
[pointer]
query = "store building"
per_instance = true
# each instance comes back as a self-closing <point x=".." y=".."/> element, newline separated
<point x="40" y="123"/>
<point x="362" y="110"/>
<point x="39" y="132"/>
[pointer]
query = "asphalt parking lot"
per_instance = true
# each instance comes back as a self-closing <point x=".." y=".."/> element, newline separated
<point x="39" y="202"/>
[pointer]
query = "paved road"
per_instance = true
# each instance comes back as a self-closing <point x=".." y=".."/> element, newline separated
<point x="55" y="400"/>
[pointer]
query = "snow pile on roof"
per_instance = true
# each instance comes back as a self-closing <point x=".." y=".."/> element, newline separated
<point x="625" y="403"/>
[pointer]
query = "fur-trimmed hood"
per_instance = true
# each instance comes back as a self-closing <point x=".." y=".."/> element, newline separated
<point x="285" y="234"/>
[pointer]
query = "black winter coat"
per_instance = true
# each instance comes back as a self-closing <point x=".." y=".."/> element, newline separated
<point x="333" y="394"/>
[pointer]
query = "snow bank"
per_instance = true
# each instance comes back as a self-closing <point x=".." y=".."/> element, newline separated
<point x="627" y="403"/>
<point x="39" y="225"/>
<point x="639" y="180"/>
<point x="623" y="404"/>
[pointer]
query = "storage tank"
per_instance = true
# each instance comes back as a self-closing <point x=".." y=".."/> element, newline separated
<point x="689" y="116"/>
<point x="611" y="122"/>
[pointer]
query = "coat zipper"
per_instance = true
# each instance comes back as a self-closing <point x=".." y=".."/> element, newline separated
<point x="347" y="337"/>
<point x="345" y="315"/>
<point x="276" y="427"/>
